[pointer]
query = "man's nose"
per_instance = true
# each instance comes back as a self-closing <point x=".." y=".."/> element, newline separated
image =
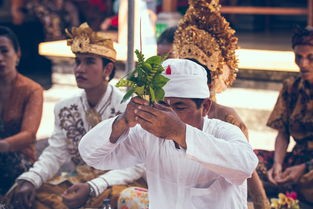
<point x="303" y="62"/>
<point x="80" y="68"/>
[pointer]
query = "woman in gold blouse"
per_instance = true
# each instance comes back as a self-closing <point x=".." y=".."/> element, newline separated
<point x="21" y="101"/>
<point x="293" y="117"/>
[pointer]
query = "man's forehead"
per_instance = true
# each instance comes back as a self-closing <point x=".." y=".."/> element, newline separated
<point x="86" y="55"/>
<point x="172" y="100"/>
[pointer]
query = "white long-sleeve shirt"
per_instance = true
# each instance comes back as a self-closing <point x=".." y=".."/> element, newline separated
<point x="210" y="173"/>
<point x="70" y="126"/>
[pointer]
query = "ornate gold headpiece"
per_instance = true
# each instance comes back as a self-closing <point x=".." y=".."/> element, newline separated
<point x="84" y="40"/>
<point x="203" y="34"/>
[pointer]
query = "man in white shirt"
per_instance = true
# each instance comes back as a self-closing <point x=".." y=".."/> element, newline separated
<point x="191" y="161"/>
<point x="41" y="185"/>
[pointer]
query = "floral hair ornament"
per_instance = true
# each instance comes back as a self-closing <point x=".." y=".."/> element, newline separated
<point x="83" y="39"/>
<point x="285" y="201"/>
<point x="204" y="35"/>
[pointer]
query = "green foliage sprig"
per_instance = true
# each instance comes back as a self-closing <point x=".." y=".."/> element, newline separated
<point x="146" y="79"/>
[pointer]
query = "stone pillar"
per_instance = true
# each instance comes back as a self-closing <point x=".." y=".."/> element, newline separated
<point x="147" y="29"/>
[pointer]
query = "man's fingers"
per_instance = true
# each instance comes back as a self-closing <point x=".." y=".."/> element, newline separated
<point x="270" y="177"/>
<point x="272" y="180"/>
<point x="70" y="190"/>
<point x="146" y="116"/>
<point x="284" y="177"/>
<point x="285" y="174"/>
<point x="31" y="199"/>
<point x="283" y="180"/>
<point x="22" y="202"/>
<point x="139" y="101"/>
<point x="151" y="111"/>
<point x="162" y="107"/>
<point x="69" y="193"/>
<point x="69" y="198"/>
<point x="144" y="122"/>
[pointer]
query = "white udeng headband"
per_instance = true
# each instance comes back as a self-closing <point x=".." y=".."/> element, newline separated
<point x="187" y="79"/>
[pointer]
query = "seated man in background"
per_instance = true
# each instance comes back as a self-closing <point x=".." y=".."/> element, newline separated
<point x="40" y="187"/>
<point x="280" y="170"/>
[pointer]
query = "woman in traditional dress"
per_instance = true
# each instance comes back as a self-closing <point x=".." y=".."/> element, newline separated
<point x="21" y="101"/>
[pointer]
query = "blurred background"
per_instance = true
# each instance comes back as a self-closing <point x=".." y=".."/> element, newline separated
<point x="264" y="29"/>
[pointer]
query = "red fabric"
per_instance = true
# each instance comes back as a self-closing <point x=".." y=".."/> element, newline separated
<point x="168" y="70"/>
<point x="114" y="21"/>
<point x="98" y="3"/>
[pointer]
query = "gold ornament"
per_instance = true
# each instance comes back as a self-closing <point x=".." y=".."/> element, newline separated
<point x="204" y="35"/>
<point x="84" y="40"/>
<point x="93" y="117"/>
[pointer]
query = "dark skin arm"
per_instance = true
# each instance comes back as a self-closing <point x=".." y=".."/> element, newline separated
<point x="289" y="175"/>
<point x="24" y="195"/>
<point x="126" y="120"/>
<point x="160" y="120"/>
<point x="77" y="195"/>
<point x="292" y="174"/>
<point x="281" y="145"/>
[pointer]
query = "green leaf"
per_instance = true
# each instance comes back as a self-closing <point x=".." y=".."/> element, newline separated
<point x="133" y="79"/>
<point x="140" y="90"/>
<point x="154" y="60"/>
<point x="120" y="83"/>
<point x="146" y="78"/>
<point x="152" y="94"/>
<point x="147" y="67"/>
<point x="140" y="56"/>
<point x="128" y="94"/>
<point x="141" y="72"/>
<point x="160" y="69"/>
<point x="125" y="83"/>
<point x="159" y="94"/>
<point x="160" y="81"/>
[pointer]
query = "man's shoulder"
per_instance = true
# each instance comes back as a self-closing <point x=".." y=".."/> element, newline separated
<point x="74" y="100"/>
<point x="292" y="84"/>
<point x="116" y="100"/>
<point x="226" y="110"/>
<point x="117" y="94"/>
<point x="214" y="122"/>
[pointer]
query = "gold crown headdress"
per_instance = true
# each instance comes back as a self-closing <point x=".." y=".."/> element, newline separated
<point x="204" y="35"/>
<point x="84" y="40"/>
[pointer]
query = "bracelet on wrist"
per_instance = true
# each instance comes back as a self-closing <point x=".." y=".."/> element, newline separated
<point x="92" y="192"/>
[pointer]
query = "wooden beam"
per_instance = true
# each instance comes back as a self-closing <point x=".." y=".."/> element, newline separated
<point x="265" y="10"/>
<point x="310" y="13"/>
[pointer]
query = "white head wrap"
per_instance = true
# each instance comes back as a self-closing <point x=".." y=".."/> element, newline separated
<point x="187" y="79"/>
